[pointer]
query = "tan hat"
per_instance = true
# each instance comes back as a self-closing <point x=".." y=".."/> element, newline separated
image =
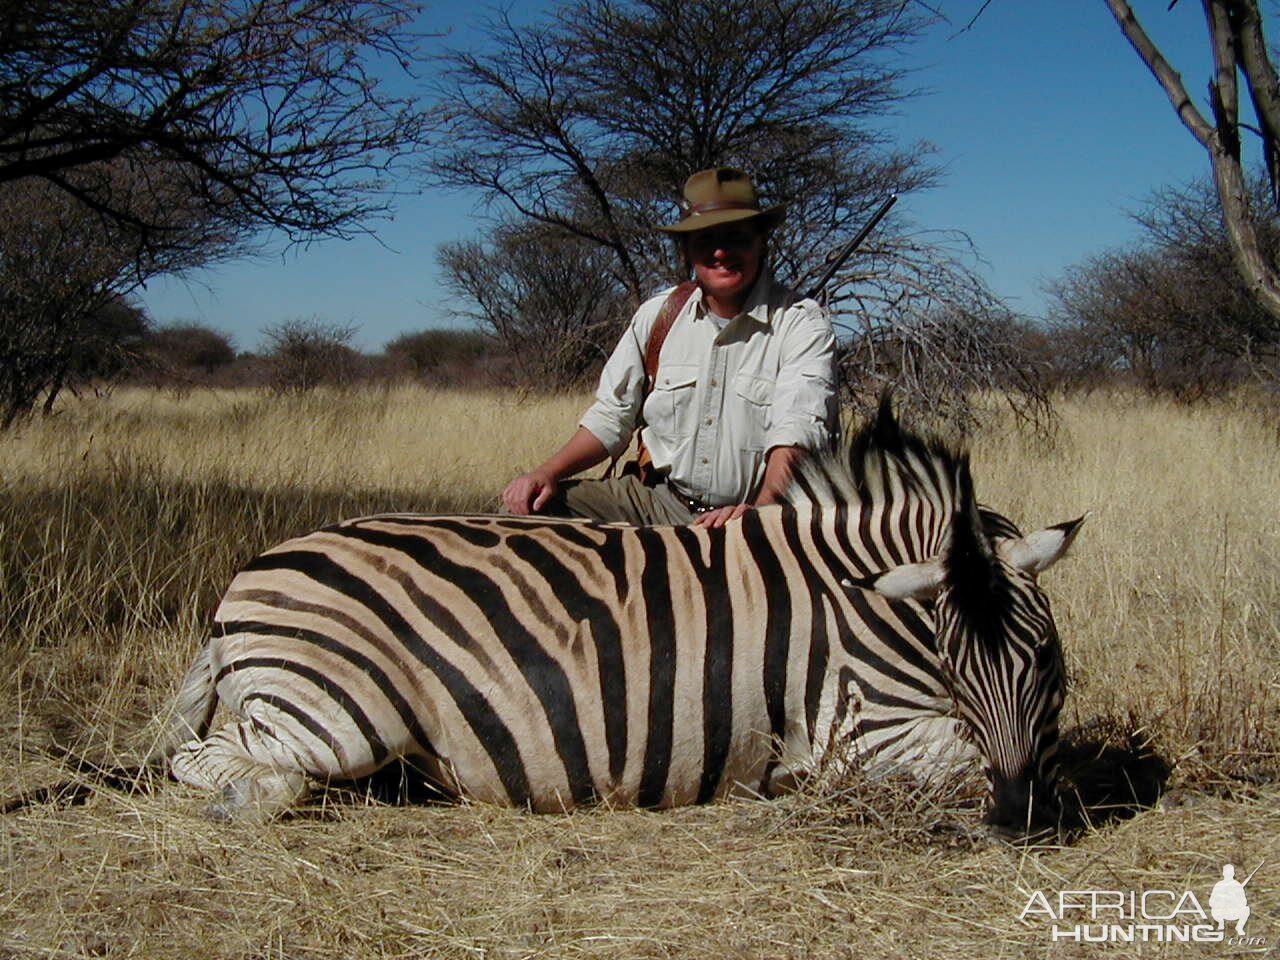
<point x="722" y="195"/>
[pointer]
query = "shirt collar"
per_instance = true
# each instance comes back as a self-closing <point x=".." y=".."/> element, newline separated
<point x="757" y="305"/>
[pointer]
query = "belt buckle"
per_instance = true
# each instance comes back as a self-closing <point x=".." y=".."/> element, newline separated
<point x="694" y="505"/>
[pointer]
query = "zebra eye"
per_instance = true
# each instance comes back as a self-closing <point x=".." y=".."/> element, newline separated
<point x="1045" y="641"/>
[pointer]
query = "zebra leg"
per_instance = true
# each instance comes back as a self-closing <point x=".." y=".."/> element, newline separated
<point x="257" y="776"/>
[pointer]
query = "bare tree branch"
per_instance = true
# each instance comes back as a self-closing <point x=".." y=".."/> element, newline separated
<point x="1264" y="88"/>
<point x="591" y="121"/>
<point x="1221" y="140"/>
<point x="1165" y="75"/>
<point x="265" y="110"/>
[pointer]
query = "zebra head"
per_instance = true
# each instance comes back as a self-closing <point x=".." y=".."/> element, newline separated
<point x="998" y="650"/>
<point x="996" y="643"/>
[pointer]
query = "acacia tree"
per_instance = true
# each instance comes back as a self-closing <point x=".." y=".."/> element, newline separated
<point x="64" y="269"/>
<point x="1171" y="312"/>
<point x="60" y="275"/>
<point x="265" y="112"/>
<point x="583" y="128"/>
<point x="178" y="353"/>
<point x="1239" y="52"/>
<point x="305" y="352"/>
<point x="546" y="295"/>
<point x="590" y="122"/>
<point x="154" y="136"/>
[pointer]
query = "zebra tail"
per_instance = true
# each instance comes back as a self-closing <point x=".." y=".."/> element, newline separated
<point x="192" y="710"/>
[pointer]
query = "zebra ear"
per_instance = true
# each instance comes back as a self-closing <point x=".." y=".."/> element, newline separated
<point x="1038" y="551"/>
<point x="908" y="581"/>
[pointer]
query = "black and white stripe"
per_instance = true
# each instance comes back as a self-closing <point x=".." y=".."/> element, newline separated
<point x="554" y="663"/>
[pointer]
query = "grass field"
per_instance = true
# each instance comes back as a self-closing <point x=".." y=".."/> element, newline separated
<point x="121" y="520"/>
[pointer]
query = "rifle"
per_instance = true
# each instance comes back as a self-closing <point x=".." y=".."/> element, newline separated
<point x="837" y="261"/>
<point x="1255" y="870"/>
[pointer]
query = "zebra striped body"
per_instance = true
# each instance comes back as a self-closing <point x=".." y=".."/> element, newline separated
<point x="554" y="663"/>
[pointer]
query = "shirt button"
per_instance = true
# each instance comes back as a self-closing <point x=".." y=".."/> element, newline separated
<point x="705" y="460"/>
<point x="713" y="381"/>
<point x="710" y="421"/>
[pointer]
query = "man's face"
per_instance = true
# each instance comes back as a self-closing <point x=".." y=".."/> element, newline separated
<point x="726" y="260"/>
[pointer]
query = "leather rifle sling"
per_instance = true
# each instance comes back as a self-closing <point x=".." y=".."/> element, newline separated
<point x="671" y="308"/>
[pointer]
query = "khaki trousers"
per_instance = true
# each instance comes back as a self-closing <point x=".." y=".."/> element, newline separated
<point x="619" y="500"/>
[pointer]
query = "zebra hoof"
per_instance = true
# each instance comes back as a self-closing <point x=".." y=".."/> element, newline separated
<point x="257" y="799"/>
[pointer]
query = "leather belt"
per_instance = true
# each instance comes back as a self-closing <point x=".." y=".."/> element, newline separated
<point x="693" y="503"/>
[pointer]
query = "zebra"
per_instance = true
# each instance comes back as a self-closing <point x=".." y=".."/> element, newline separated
<point x="878" y="614"/>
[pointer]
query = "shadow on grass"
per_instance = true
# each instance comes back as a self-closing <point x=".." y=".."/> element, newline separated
<point x="399" y="783"/>
<point x="1110" y="771"/>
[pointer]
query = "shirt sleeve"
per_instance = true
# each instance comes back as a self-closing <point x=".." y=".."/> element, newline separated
<point x="804" y="409"/>
<point x="612" y="418"/>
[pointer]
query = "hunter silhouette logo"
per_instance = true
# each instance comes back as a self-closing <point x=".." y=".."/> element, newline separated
<point x="1227" y="901"/>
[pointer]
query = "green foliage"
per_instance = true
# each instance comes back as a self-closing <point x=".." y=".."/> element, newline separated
<point x="426" y="351"/>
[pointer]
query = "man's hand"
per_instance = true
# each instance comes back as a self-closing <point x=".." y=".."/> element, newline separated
<point x="720" y="515"/>
<point x="528" y="492"/>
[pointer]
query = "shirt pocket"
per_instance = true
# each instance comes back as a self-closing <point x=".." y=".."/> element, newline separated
<point x="669" y="408"/>
<point x="754" y="395"/>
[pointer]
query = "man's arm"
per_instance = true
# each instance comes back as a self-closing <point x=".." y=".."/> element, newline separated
<point x="605" y="428"/>
<point x="528" y="492"/>
<point x="803" y="412"/>
<point x="778" y="467"/>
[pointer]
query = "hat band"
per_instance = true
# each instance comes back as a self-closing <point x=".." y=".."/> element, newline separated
<point x="714" y="205"/>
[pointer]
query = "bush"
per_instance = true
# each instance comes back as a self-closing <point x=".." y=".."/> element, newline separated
<point x="437" y="351"/>
<point x="187" y="350"/>
<point x="1170" y="312"/>
<point x="304" y="353"/>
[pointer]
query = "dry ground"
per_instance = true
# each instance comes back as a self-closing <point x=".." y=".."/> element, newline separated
<point x="121" y="520"/>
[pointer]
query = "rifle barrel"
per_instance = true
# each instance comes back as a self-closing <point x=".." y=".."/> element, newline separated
<point x="1255" y="870"/>
<point x="851" y="246"/>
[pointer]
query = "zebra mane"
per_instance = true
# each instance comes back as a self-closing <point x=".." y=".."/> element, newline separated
<point x="879" y="463"/>
<point x="896" y="480"/>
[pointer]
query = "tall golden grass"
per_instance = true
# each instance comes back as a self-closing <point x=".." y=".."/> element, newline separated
<point x="122" y="519"/>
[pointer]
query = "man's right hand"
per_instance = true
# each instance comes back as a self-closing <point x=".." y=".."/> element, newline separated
<point x="528" y="492"/>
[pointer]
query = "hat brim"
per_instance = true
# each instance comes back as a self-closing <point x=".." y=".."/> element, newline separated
<point x="705" y="221"/>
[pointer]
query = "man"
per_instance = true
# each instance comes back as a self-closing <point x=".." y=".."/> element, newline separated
<point x="745" y="384"/>
<point x="1227" y="900"/>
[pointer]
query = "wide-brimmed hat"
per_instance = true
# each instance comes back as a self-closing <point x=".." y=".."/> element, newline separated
<point x="721" y="195"/>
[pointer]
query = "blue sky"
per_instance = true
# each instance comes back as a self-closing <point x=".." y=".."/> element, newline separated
<point x="1049" y="128"/>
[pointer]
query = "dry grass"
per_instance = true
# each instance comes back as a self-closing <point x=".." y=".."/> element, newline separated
<point x="120" y="522"/>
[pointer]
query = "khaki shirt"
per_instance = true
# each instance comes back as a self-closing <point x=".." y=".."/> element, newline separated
<point x="723" y="397"/>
